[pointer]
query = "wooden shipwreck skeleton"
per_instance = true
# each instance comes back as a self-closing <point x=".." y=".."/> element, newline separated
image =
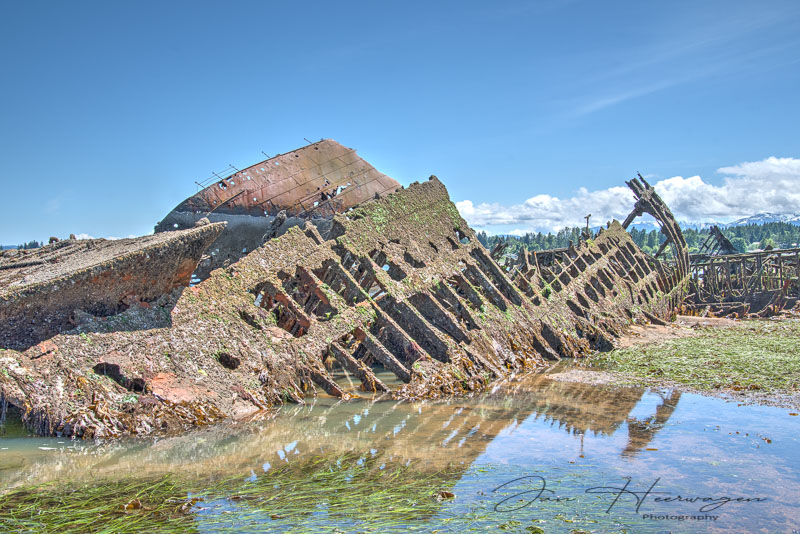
<point x="399" y="283"/>
<point x="758" y="284"/>
<point x="724" y="282"/>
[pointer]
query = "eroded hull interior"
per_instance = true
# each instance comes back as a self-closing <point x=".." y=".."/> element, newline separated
<point x="41" y="289"/>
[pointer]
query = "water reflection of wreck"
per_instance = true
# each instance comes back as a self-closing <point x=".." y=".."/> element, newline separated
<point x="581" y="409"/>
<point x="432" y="435"/>
<point x="642" y="431"/>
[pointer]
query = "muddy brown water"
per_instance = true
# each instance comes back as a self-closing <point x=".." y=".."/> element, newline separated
<point x="534" y="452"/>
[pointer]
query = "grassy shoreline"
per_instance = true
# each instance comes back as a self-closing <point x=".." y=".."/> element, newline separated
<point x="754" y="360"/>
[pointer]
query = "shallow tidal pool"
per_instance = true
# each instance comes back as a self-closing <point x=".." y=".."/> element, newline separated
<point x="534" y="455"/>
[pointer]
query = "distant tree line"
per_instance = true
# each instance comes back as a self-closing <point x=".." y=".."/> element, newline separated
<point x="531" y="241"/>
<point x="25" y="246"/>
<point x="744" y="238"/>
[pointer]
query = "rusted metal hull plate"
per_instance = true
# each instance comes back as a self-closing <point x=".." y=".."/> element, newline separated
<point x="311" y="183"/>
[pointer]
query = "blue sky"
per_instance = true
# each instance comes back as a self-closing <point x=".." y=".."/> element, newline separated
<point x="111" y="110"/>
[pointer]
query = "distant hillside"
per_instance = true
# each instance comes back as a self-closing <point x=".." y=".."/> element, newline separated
<point x="758" y="219"/>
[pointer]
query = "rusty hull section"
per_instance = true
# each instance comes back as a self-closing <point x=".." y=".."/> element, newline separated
<point x="319" y="179"/>
<point x="312" y="183"/>
<point x="401" y="285"/>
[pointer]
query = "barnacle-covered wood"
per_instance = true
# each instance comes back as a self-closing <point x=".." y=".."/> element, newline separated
<point x="402" y="284"/>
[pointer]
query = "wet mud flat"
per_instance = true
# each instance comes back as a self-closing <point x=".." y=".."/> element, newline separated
<point x="468" y="464"/>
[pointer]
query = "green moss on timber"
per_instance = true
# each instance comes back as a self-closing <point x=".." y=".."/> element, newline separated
<point x="397" y="201"/>
<point x="547" y="290"/>
<point x="455" y="217"/>
<point x="380" y="217"/>
<point x="751" y="355"/>
<point x="367" y="313"/>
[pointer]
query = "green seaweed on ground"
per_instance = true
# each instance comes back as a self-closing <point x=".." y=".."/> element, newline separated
<point x="347" y="489"/>
<point x="348" y="492"/>
<point x="759" y="355"/>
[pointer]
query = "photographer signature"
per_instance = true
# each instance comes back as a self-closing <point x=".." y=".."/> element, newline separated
<point x="534" y="489"/>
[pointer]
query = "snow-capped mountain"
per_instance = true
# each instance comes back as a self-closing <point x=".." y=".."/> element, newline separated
<point x="757" y="219"/>
<point x="763" y="218"/>
<point x="648" y="225"/>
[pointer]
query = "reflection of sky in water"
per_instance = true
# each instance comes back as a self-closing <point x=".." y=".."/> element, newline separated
<point x="575" y="436"/>
<point x="707" y="448"/>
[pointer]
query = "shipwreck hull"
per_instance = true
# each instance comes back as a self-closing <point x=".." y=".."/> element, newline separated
<point x="401" y="284"/>
<point x="312" y="183"/>
<point x="726" y="283"/>
<point x="756" y="284"/>
<point x="655" y="287"/>
<point x="41" y="289"/>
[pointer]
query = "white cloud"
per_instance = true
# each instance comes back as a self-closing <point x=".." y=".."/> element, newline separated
<point x="770" y="185"/>
<point x="84" y="236"/>
<point x="546" y="212"/>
